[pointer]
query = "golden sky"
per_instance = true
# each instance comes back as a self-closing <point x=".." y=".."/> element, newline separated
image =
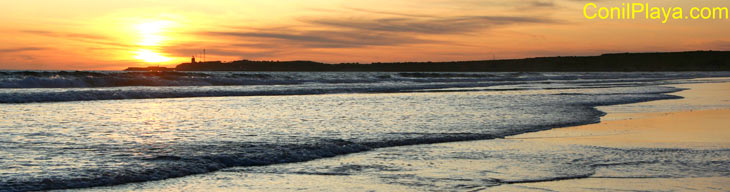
<point x="115" y="34"/>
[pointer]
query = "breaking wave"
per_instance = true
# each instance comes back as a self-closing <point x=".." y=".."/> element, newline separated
<point x="90" y="79"/>
<point x="59" y="86"/>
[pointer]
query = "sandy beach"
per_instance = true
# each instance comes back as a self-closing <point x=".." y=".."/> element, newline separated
<point x="699" y="120"/>
<point x="706" y="128"/>
<point x="686" y="129"/>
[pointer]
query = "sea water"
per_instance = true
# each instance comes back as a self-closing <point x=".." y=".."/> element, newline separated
<point x="63" y="130"/>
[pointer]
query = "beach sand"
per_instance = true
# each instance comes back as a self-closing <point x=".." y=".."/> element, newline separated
<point x="686" y="129"/>
<point x="700" y="120"/>
<point x="706" y="128"/>
<point x="706" y="184"/>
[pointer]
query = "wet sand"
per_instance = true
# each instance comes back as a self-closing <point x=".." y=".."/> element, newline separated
<point x="687" y="129"/>
<point x="701" y="122"/>
<point x="698" y="121"/>
<point x="705" y="184"/>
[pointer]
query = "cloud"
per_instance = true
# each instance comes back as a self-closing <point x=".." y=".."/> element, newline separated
<point x="536" y="4"/>
<point x="67" y="35"/>
<point x="385" y="12"/>
<point x="319" y="38"/>
<point x="440" y="25"/>
<point x="81" y="37"/>
<point x="185" y="51"/>
<point x="501" y="4"/>
<point x="22" y="49"/>
<point x="328" y="32"/>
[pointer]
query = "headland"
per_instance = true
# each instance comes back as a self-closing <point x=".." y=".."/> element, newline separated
<point x="618" y="62"/>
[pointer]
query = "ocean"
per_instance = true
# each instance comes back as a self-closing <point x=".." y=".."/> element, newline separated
<point x="81" y="129"/>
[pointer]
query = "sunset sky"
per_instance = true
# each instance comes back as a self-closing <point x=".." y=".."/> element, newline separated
<point x="115" y="34"/>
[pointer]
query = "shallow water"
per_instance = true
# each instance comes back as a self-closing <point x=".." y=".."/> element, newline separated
<point x="90" y="142"/>
<point x="494" y="165"/>
<point x="460" y="166"/>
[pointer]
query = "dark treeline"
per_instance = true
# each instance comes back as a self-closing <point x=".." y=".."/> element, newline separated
<point x="674" y="61"/>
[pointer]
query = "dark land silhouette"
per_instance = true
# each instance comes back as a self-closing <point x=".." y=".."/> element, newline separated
<point x="618" y="62"/>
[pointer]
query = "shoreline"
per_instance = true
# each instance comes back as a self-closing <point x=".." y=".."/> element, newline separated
<point x="696" y="122"/>
<point x="699" y="115"/>
<point x="697" y="129"/>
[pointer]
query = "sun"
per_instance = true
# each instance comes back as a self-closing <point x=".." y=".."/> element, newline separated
<point x="151" y="35"/>
<point x="150" y="27"/>
<point x="150" y="56"/>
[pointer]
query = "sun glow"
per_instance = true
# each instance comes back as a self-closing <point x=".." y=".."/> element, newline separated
<point x="152" y="34"/>
<point x="150" y="56"/>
